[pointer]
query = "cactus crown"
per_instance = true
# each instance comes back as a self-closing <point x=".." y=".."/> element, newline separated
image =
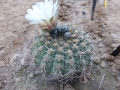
<point x="62" y="58"/>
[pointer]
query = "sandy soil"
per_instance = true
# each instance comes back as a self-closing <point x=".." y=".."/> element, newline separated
<point x="16" y="35"/>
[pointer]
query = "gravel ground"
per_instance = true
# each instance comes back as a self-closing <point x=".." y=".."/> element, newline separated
<point x="16" y="35"/>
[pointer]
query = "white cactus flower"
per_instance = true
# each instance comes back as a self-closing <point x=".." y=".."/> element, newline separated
<point x="44" y="14"/>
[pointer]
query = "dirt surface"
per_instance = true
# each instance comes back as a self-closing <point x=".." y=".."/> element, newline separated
<point x="17" y="36"/>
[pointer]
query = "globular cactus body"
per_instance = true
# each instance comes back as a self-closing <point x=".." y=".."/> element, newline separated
<point x="62" y="58"/>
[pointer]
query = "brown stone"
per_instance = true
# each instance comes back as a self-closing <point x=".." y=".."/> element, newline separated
<point x="110" y="58"/>
<point x="1" y="85"/>
<point x="117" y="61"/>
<point x="2" y="63"/>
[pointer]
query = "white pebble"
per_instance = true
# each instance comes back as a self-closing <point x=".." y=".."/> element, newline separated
<point x="103" y="65"/>
<point x="22" y="61"/>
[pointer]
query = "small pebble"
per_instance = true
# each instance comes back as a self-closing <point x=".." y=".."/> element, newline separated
<point x="37" y="72"/>
<point x="17" y="80"/>
<point x="83" y="13"/>
<point x="115" y="45"/>
<point x="2" y="85"/>
<point x="101" y="45"/>
<point x="2" y="63"/>
<point x="31" y="75"/>
<point x="103" y="65"/>
<point x="96" y="60"/>
<point x="113" y="68"/>
<point x="17" y="57"/>
<point x="110" y="58"/>
<point x="117" y="61"/>
<point x="22" y="61"/>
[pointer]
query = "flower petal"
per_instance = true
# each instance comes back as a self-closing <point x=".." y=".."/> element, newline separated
<point x="31" y="18"/>
<point x="36" y="10"/>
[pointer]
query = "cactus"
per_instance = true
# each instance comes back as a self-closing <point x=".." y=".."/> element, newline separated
<point x="62" y="58"/>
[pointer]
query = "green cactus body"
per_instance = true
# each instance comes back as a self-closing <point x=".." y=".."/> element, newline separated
<point x="61" y="57"/>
